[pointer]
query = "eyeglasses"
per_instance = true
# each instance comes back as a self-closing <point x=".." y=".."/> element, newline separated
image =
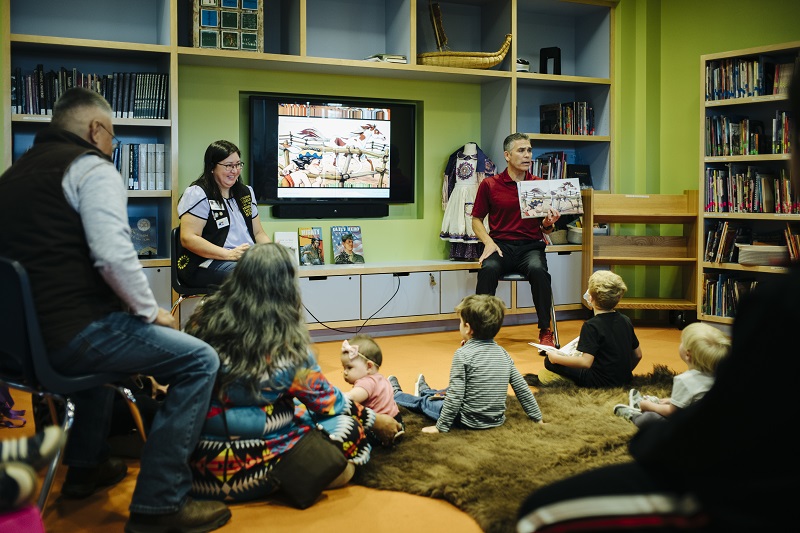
<point x="232" y="166"/>
<point x="114" y="141"/>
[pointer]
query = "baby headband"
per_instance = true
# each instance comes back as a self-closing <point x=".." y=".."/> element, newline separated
<point x="352" y="350"/>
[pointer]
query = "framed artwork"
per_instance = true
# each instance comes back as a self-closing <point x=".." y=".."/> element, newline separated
<point x="249" y="21"/>
<point x="228" y="24"/>
<point x="209" y="18"/>
<point x="230" y="40"/>
<point x="250" y="41"/>
<point x="230" y="19"/>
<point x="209" y="39"/>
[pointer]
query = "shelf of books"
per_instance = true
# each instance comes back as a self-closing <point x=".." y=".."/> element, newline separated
<point x="750" y="214"/>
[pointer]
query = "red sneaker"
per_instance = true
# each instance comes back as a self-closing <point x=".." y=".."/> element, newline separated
<point x="546" y="337"/>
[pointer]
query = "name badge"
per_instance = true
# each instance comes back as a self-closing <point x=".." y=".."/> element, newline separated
<point x="214" y="205"/>
<point x="222" y="222"/>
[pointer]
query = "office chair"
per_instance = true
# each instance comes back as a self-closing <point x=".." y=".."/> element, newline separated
<point x="25" y="366"/>
<point x="516" y="276"/>
<point x="184" y="291"/>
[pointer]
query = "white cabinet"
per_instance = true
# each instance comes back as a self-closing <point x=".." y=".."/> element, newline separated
<point x="565" y="279"/>
<point x="399" y="294"/>
<point x="330" y="298"/>
<point x="456" y="284"/>
<point x="161" y="285"/>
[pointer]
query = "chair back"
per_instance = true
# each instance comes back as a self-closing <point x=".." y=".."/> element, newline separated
<point x="22" y="344"/>
<point x="19" y="326"/>
<point x="177" y="285"/>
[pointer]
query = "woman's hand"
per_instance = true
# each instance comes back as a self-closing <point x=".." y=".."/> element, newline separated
<point x="236" y="253"/>
<point x="386" y="427"/>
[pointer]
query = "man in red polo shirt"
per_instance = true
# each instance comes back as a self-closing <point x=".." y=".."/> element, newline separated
<point x="513" y="243"/>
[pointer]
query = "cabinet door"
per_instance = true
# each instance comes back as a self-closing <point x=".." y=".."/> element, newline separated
<point x="161" y="285"/>
<point x="399" y="294"/>
<point x="330" y="298"/>
<point x="456" y="284"/>
<point x="565" y="274"/>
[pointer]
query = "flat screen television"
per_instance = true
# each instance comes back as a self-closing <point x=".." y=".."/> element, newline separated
<point x="331" y="157"/>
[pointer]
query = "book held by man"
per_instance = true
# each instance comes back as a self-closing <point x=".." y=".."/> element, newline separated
<point x="536" y="197"/>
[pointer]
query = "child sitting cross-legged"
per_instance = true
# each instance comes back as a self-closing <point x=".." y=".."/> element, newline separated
<point x="480" y="373"/>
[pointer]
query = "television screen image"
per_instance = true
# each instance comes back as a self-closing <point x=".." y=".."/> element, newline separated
<point x="320" y="156"/>
<point x="333" y="147"/>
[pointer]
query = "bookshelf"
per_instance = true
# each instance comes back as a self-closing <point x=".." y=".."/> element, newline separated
<point x="668" y="243"/>
<point x="316" y="36"/>
<point x="741" y="176"/>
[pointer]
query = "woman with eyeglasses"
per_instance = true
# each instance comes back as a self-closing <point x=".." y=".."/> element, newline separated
<point x="219" y="218"/>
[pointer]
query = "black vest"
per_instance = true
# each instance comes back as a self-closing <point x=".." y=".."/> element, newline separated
<point x="189" y="261"/>
<point x="42" y="231"/>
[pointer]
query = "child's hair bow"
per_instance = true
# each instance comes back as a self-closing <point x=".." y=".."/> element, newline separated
<point x="350" y="350"/>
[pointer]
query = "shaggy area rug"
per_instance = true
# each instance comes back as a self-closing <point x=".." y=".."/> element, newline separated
<point x="487" y="474"/>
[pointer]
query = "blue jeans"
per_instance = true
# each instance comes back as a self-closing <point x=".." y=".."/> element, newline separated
<point x="425" y="403"/>
<point x="125" y="344"/>
<point x="217" y="272"/>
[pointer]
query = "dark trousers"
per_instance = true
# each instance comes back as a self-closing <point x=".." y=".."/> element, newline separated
<point x="529" y="259"/>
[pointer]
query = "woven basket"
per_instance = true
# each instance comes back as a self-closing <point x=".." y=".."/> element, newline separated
<point x="465" y="59"/>
<point x="559" y="236"/>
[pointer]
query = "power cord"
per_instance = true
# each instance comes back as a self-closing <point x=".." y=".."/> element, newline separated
<point x="358" y="328"/>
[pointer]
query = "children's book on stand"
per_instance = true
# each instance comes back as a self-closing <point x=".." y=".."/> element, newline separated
<point x="311" y="251"/>
<point x="348" y="248"/>
<point x="536" y="197"/>
<point x="144" y="235"/>
<point x="290" y="240"/>
<point x="568" y="350"/>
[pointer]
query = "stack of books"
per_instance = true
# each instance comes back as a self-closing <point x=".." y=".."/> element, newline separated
<point x="387" y="58"/>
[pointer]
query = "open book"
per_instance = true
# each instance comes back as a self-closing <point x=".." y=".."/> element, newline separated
<point x="568" y="350"/>
<point x="537" y="196"/>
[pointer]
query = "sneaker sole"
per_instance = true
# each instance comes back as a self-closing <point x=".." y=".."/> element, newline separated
<point x="416" y="386"/>
<point x="202" y="528"/>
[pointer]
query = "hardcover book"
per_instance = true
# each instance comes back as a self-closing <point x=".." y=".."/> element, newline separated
<point x="347" y="245"/>
<point x="536" y="197"/>
<point x="311" y="251"/>
<point x="290" y="240"/>
<point x="144" y="235"/>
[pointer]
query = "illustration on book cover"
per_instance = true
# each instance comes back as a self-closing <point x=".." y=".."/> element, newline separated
<point x="536" y="197"/>
<point x="347" y="245"/>
<point x="311" y="250"/>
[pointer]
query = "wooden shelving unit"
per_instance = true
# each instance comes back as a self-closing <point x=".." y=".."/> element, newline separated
<point x="712" y="276"/>
<point x="669" y="240"/>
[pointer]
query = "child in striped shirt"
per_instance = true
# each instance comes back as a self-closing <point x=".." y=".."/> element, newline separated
<point x="480" y="373"/>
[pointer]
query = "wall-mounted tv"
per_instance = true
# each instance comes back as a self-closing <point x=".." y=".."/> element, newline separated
<point x="330" y="157"/>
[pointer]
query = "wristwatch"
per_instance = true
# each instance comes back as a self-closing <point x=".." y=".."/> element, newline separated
<point x="547" y="228"/>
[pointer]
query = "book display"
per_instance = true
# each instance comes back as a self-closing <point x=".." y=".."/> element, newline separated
<point x="290" y="240"/>
<point x="144" y="234"/>
<point x="348" y="248"/>
<point x="312" y="250"/>
<point x="749" y="213"/>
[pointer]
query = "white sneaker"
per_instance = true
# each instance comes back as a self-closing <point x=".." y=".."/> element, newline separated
<point x="626" y="411"/>
<point x="421" y="385"/>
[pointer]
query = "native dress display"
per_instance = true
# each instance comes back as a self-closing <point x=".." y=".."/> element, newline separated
<point x="465" y="169"/>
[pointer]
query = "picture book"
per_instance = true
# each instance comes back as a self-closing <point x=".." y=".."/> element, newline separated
<point x="311" y="250"/>
<point x="144" y="234"/>
<point x="536" y="197"/>
<point x="568" y="350"/>
<point x="347" y="245"/>
<point x="290" y="240"/>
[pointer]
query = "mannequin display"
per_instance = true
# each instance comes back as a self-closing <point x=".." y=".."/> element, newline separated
<point x="465" y="169"/>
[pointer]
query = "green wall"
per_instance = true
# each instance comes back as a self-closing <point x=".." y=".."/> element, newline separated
<point x="211" y="108"/>
<point x="658" y="47"/>
<point x="657" y="107"/>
